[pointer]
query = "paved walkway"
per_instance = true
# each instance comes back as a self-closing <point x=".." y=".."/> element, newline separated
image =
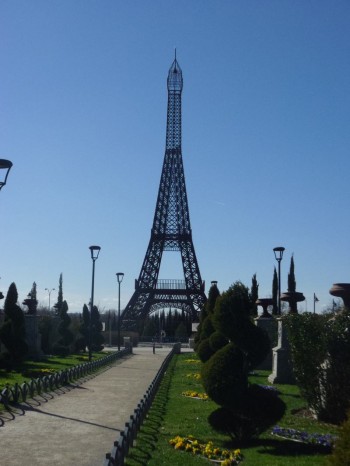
<point x="77" y="425"/>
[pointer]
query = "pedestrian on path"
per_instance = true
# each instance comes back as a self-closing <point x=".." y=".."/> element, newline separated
<point x="154" y="347"/>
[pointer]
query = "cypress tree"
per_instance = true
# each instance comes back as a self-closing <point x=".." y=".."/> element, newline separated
<point x="97" y="338"/>
<point x="66" y="336"/>
<point x="253" y="296"/>
<point x="59" y="304"/>
<point x="292" y="286"/>
<point x="274" y="293"/>
<point x="12" y="332"/>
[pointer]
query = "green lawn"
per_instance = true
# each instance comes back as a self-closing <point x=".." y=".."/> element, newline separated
<point x="33" y="369"/>
<point x="172" y="414"/>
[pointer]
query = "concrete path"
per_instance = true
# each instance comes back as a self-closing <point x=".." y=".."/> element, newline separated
<point x="77" y="425"/>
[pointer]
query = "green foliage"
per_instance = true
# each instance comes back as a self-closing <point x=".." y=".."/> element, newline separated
<point x="204" y="350"/>
<point x="82" y="342"/>
<point x="217" y="341"/>
<point x="181" y="331"/>
<point x="66" y="336"/>
<point x="49" y="333"/>
<point x="213" y="294"/>
<point x="274" y="293"/>
<point x="59" y="304"/>
<point x="205" y="327"/>
<point x="171" y="414"/>
<point x="224" y="376"/>
<point x="308" y="343"/>
<point x="259" y="409"/>
<point x="341" y="453"/>
<point x="231" y="309"/>
<point x="150" y="328"/>
<point x="253" y="296"/>
<point x="238" y="346"/>
<point x="292" y="286"/>
<point x="97" y="338"/>
<point x="320" y="348"/>
<point x="12" y="332"/>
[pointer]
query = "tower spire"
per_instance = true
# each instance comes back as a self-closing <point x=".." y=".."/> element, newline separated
<point x="171" y="230"/>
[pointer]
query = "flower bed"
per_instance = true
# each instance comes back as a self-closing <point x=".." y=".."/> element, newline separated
<point x="195" y="375"/>
<point x="207" y="450"/>
<point x="270" y="388"/>
<point x="326" y="440"/>
<point x="194" y="394"/>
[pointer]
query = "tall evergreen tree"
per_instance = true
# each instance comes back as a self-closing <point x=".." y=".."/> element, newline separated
<point x="33" y="291"/>
<point x="181" y="331"/>
<point x="207" y="339"/>
<point x="82" y="342"/>
<point x="66" y="334"/>
<point x="253" y="296"/>
<point x="97" y="338"/>
<point x="12" y="332"/>
<point x="61" y="307"/>
<point x="114" y="322"/>
<point x="292" y="286"/>
<point x="59" y="304"/>
<point x="274" y="293"/>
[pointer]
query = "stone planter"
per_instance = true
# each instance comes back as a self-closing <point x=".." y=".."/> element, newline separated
<point x="293" y="298"/>
<point x="341" y="290"/>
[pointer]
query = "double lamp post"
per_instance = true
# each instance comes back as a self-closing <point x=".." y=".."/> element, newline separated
<point x="95" y="251"/>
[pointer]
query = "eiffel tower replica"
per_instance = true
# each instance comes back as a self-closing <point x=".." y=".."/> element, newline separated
<point x="171" y="230"/>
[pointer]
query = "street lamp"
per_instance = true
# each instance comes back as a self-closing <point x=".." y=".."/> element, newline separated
<point x="278" y="256"/>
<point x="120" y="277"/>
<point x="95" y="250"/>
<point x="50" y="291"/>
<point x="5" y="165"/>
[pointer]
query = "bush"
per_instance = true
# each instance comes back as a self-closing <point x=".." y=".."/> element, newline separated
<point x="204" y="350"/>
<point x="61" y="350"/>
<point x="224" y="378"/>
<point x="341" y="453"/>
<point x="258" y="410"/>
<point x="320" y="350"/>
<point x="217" y="341"/>
<point x="225" y="373"/>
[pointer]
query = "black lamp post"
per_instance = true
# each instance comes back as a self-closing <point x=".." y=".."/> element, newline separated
<point x="278" y="256"/>
<point x="95" y="250"/>
<point x="120" y="277"/>
<point x="50" y="291"/>
<point x="5" y="165"/>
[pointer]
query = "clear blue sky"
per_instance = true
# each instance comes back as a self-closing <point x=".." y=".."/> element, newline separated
<point x="266" y="140"/>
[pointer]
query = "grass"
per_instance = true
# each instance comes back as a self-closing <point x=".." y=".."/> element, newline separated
<point x="32" y="369"/>
<point x="172" y="414"/>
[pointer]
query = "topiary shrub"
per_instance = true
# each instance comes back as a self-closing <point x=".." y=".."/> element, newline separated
<point x="204" y="350"/>
<point x="217" y="341"/>
<point x="259" y="409"/>
<point x="225" y="373"/>
<point x="223" y="376"/>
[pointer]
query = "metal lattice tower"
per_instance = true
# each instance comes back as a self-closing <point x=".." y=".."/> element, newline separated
<point x="171" y="230"/>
